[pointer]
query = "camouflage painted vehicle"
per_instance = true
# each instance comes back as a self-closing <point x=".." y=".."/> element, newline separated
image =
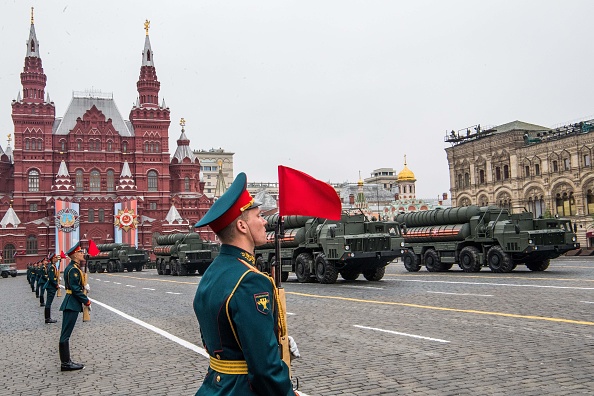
<point x="115" y="257"/>
<point x="316" y="249"/>
<point x="7" y="269"/>
<point x="183" y="253"/>
<point x="475" y="237"/>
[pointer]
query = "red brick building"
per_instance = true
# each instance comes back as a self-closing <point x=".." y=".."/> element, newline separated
<point x="96" y="158"/>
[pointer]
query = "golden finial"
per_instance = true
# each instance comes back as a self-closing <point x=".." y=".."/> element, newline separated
<point x="9" y="139"/>
<point x="182" y="122"/>
<point x="404" y="159"/>
<point x="31" y="15"/>
<point x="147" y="24"/>
<point x="220" y="163"/>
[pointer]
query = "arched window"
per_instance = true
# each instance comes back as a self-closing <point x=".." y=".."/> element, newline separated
<point x="32" y="45"/>
<point x="148" y="55"/>
<point x="8" y="253"/>
<point x="34" y="180"/>
<point x="466" y="180"/>
<point x="481" y="176"/>
<point x="465" y="202"/>
<point x="590" y="202"/>
<point x="460" y="180"/>
<point x="124" y="147"/>
<point x="62" y="145"/>
<point x="95" y="181"/>
<point x="31" y="244"/>
<point x="505" y="172"/>
<point x="110" y="180"/>
<point x="152" y="181"/>
<point x="101" y="215"/>
<point x="565" y="204"/>
<point x="146" y="147"/>
<point x="109" y="146"/>
<point x="537" y="169"/>
<point x="91" y="215"/>
<point x="79" y="145"/>
<point x="79" y="180"/>
<point x="497" y="173"/>
<point x="483" y="201"/>
<point x="186" y="183"/>
<point x="27" y="144"/>
<point x="156" y="147"/>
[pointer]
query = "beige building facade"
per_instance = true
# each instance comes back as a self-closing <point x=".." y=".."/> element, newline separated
<point x="519" y="165"/>
<point x="211" y="163"/>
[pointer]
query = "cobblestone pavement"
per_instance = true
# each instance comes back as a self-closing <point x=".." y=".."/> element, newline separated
<point x="453" y="333"/>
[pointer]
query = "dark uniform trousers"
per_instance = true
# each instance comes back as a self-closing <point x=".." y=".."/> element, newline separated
<point x="74" y="300"/>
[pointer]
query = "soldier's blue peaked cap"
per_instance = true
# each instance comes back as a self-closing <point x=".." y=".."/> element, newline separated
<point x="75" y="248"/>
<point x="51" y="255"/>
<point x="229" y="206"/>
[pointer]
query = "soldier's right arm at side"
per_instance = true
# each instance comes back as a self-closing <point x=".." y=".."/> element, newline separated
<point x="75" y="282"/>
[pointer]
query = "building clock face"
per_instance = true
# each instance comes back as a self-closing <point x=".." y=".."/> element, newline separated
<point x="126" y="219"/>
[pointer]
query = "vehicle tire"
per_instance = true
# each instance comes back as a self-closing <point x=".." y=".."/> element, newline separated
<point x="349" y="275"/>
<point x="325" y="270"/>
<point x="175" y="266"/>
<point x="260" y="264"/>
<point x="469" y="259"/>
<point x="303" y="267"/>
<point x="138" y="267"/>
<point x="5" y="274"/>
<point x="411" y="261"/>
<point x="284" y="276"/>
<point x="432" y="262"/>
<point x="13" y="274"/>
<point x="92" y="268"/>
<point x="183" y="270"/>
<point x="375" y="274"/>
<point x="538" y="265"/>
<point x="159" y="266"/>
<point x="498" y="260"/>
<point x="99" y="269"/>
<point x="110" y="266"/>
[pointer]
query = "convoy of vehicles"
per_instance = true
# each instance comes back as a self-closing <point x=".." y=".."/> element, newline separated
<point x="475" y="237"/>
<point x="316" y="249"/>
<point x="115" y="257"/>
<point x="183" y="253"/>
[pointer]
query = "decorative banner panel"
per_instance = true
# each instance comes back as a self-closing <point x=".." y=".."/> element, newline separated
<point x="126" y="223"/>
<point x="67" y="226"/>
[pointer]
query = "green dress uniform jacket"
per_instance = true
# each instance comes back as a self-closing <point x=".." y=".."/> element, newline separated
<point x="237" y="313"/>
<point x="75" y="298"/>
<point x="52" y="278"/>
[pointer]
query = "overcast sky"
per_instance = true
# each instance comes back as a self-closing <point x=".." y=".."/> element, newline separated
<point x="328" y="87"/>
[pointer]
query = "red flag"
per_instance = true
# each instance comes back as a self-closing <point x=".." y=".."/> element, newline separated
<point x="301" y="194"/>
<point x="62" y="254"/>
<point x="93" y="250"/>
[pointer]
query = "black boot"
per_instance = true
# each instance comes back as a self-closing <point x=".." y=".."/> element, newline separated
<point x="67" y="364"/>
<point x="41" y="301"/>
<point x="48" y="317"/>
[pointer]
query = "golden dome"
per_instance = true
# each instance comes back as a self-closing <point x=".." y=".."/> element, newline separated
<point x="406" y="174"/>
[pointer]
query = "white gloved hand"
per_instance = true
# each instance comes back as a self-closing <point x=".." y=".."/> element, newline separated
<point x="87" y="288"/>
<point x="293" y="348"/>
<point x="61" y="279"/>
<point x="89" y="306"/>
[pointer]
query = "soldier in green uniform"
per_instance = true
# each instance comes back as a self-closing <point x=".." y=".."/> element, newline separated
<point x="38" y="274"/>
<point x="236" y="306"/>
<point x="43" y="280"/>
<point x="29" y="267"/>
<point x="51" y="286"/>
<point x="72" y="305"/>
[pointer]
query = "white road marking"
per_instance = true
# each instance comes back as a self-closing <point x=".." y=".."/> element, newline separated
<point x="491" y="284"/>
<point x="147" y="288"/>
<point x="587" y="302"/>
<point x="462" y="294"/>
<point x="116" y="283"/>
<point x="172" y="293"/>
<point x="106" y="281"/>
<point x="130" y="286"/>
<point x="290" y="313"/>
<point x="161" y="332"/>
<point x="402" y="334"/>
<point x="362" y="287"/>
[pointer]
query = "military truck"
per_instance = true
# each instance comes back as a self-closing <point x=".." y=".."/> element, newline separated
<point x="475" y="237"/>
<point x="114" y="257"/>
<point x="6" y="269"/>
<point x="316" y="249"/>
<point x="183" y="253"/>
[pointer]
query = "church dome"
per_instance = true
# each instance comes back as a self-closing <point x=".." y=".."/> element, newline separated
<point x="406" y="174"/>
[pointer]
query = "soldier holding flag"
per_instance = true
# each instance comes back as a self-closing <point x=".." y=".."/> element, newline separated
<point x="237" y="306"/>
<point x="72" y="305"/>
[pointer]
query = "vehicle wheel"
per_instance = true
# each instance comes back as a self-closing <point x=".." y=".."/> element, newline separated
<point x="159" y="270"/>
<point x="375" y="274"/>
<point x="498" y="260"/>
<point x="99" y="269"/>
<point x="183" y="270"/>
<point x="139" y="267"/>
<point x="432" y="261"/>
<point x="129" y="269"/>
<point x="92" y="268"/>
<point x="411" y="261"/>
<point x="538" y="265"/>
<point x="325" y="270"/>
<point x="284" y="276"/>
<point x="13" y="275"/>
<point x="5" y="275"/>
<point x="469" y="259"/>
<point x="110" y="266"/>
<point x="260" y="264"/>
<point x="349" y="275"/>
<point x="303" y="267"/>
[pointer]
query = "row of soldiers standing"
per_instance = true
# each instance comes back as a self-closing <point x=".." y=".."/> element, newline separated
<point x="44" y="278"/>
